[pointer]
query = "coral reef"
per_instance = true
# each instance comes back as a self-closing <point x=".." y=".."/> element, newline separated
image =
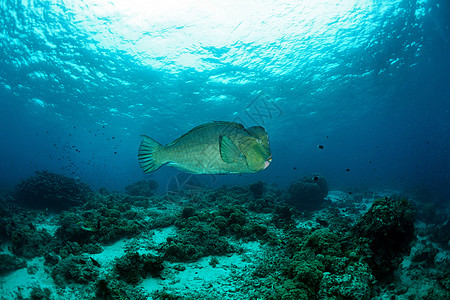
<point x="111" y="289"/>
<point x="354" y="282"/>
<point x="133" y="267"/>
<point x="5" y="217"/>
<point x="308" y="193"/>
<point x="51" y="259"/>
<point x="9" y="263"/>
<point x="187" y="212"/>
<point x="196" y="240"/>
<point x="101" y="220"/>
<point x="257" y="189"/>
<point x="315" y="264"/>
<point x="75" y="269"/>
<point x="282" y="216"/>
<point x="73" y="227"/>
<point x="254" y="237"/>
<point x="37" y="293"/>
<point x="205" y="233"/>
<point x="52" y="191"/>
<point x="145" y="188"/>
<point x="441" y="235"/>
<point x="388" y="230"/>
<point x="324" y="264"/>
<point x="26" y="239"/>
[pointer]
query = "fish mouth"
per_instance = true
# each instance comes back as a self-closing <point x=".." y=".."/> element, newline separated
<point x="267" y="162"/>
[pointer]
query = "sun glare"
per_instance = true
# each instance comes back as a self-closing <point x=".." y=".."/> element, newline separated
<point x="176" y="31"/>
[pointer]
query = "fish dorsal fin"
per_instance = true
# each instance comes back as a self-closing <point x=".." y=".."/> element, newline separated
<point x="229" y="152"/>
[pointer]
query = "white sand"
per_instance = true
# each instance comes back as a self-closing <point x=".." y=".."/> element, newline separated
<point x="22" y="282"/>
<point x="219" y="282"/>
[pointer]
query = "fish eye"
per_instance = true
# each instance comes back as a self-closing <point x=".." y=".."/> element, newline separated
<point x="259" y="141"/>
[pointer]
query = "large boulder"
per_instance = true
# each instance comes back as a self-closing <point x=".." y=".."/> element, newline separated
<point x="308" y="193"/>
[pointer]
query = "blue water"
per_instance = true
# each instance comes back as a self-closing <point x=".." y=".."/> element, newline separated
<point x="80" y="81"/>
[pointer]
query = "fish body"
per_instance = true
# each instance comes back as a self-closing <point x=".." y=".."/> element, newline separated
<point x="212" y="148"/>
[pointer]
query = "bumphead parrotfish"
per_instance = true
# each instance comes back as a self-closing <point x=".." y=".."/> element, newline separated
<point x="212" y="148"/>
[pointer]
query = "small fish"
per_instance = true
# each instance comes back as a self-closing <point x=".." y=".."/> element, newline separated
<point x="95" y="263"/>
<point x="212" y="148"/>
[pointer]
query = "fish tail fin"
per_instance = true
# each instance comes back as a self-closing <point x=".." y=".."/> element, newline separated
<point x="146" y="154"/>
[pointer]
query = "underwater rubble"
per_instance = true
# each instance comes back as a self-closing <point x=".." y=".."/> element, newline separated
<point x="258" y="241"/>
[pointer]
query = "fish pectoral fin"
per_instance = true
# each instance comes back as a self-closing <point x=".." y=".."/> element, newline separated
<point x="229" y="152"/>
